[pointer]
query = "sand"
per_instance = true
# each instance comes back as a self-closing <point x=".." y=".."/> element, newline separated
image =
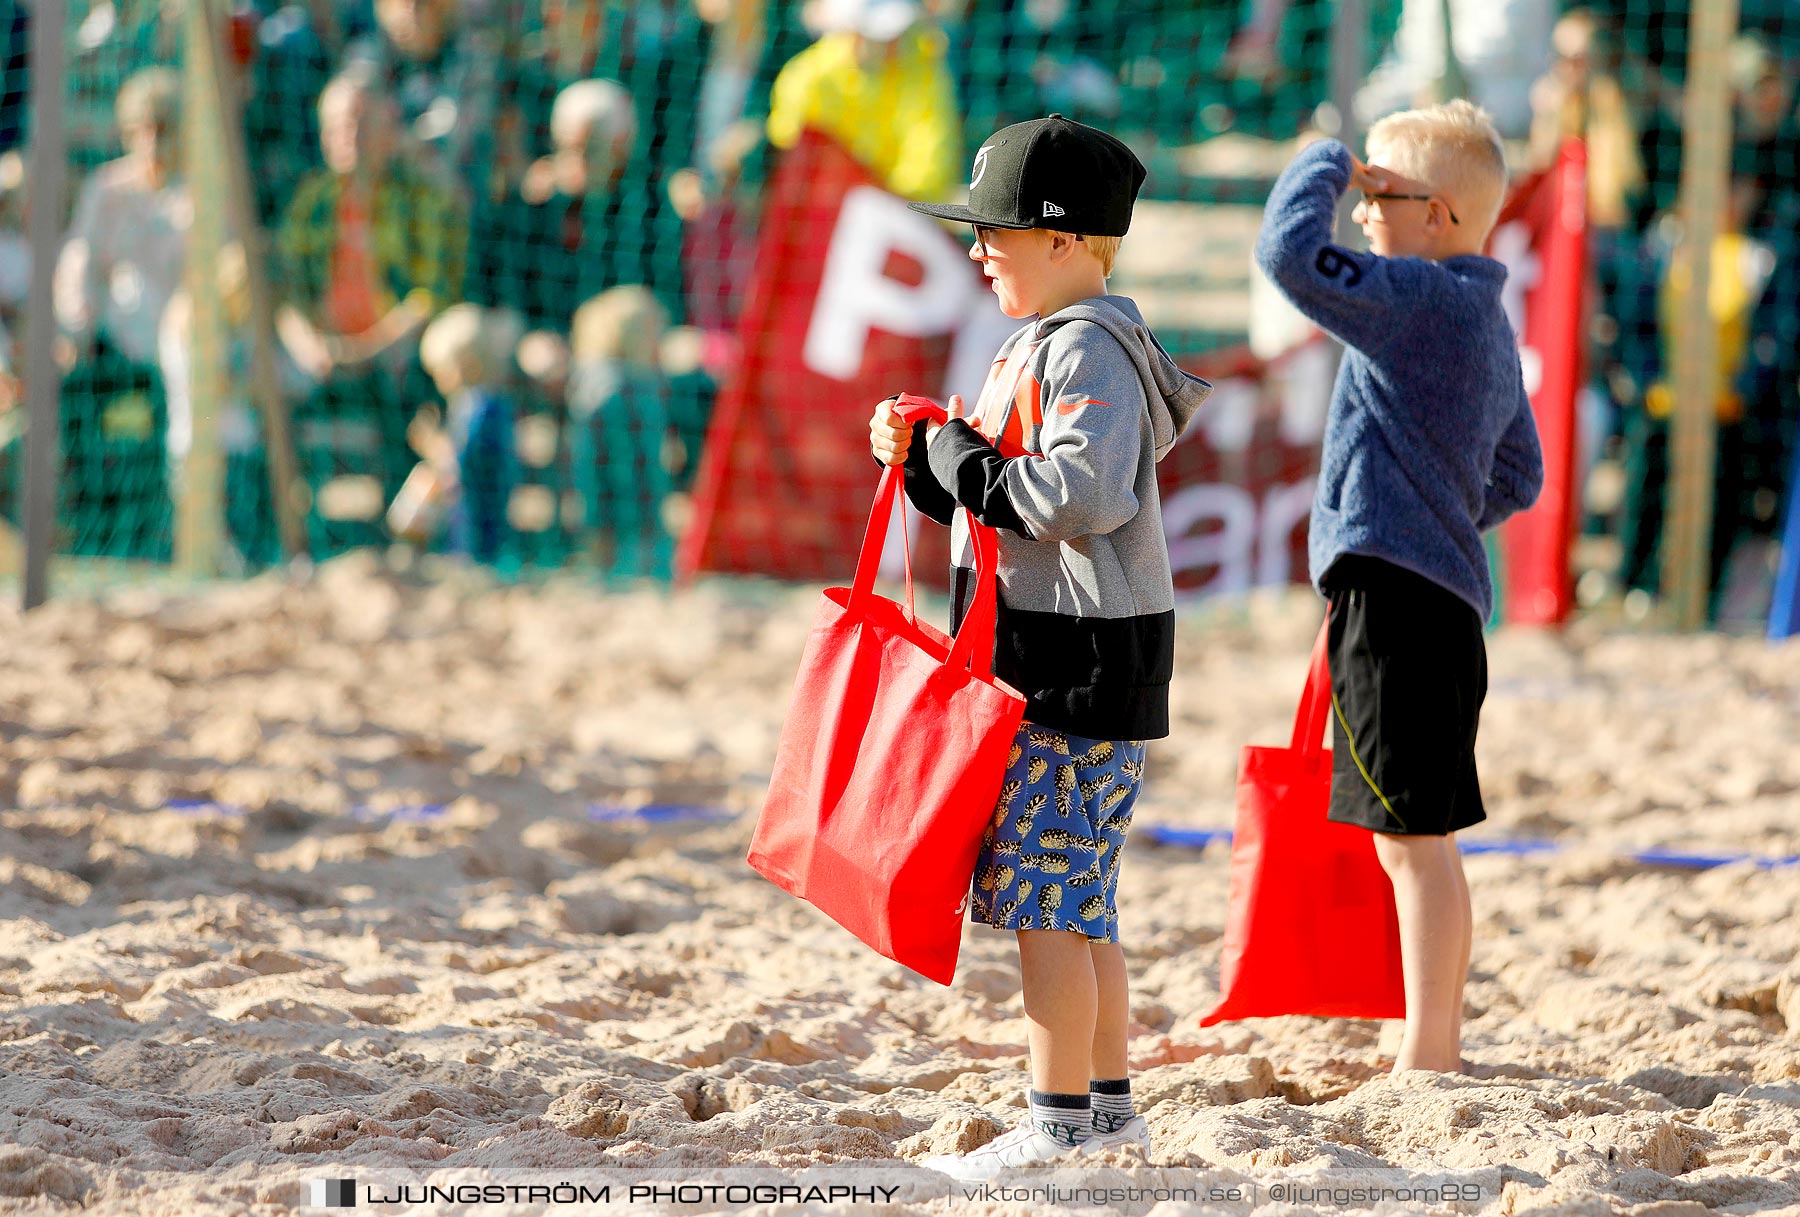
<point x="305" y="878"/>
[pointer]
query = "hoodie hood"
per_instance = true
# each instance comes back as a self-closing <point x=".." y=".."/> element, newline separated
<point x="1173" y="395"/>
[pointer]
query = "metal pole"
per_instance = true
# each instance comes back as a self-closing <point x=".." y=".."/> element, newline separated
<point x="1705" y="169"/>
<point x="1349" y="65"/>
<point x="1453" y="82"/>
<point x="199" y="520"/>
<point x="265" y="388"/>
<point x="43" y="379"/>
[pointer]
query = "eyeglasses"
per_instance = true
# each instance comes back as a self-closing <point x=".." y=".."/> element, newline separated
<point x="1419" y="198"/>
<point x="981" y="237"/>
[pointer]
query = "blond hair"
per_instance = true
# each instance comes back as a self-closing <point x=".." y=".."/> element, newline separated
<point x="622" y="323"/>
<point x="597" y="112"/>
<point x="357" y="80"/>
<point x="149" y="96"/>
<point x="1455" y="148"/>
<point x="455" y="340"/>
<point x="1104" y="248"/>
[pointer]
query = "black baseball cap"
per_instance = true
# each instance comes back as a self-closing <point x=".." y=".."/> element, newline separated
<point x="1049" y="173"/>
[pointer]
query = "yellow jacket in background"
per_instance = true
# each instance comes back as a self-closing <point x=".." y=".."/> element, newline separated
<point x="899" y="119"/>
<point x="1740" y="270"/>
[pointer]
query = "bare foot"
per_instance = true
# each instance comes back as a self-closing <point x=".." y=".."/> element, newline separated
<point x="1436" y="1063"/>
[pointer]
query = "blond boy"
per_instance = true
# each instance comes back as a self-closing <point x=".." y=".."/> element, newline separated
<point x="465" y="349"/>
<point x="1428" y="443"/>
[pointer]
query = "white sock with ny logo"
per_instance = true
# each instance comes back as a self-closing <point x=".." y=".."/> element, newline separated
<point x="1067" y="1119"/>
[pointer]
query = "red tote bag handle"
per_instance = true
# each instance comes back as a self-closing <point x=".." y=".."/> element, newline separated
<point x="910" y="409"/>
<point x="1315" y="702"/>
<point x="982" y="617"/>
<point x="966" y="651"/>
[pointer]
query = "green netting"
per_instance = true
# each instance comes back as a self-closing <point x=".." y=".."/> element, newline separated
<point x="1643" y="47"/>
<point x="643" y="196"/>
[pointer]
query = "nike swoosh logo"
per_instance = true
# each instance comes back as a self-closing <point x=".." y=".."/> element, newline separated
<point x="1069" y="407"/>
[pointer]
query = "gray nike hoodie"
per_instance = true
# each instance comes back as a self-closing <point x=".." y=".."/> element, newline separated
<point x="1061" y="458"/>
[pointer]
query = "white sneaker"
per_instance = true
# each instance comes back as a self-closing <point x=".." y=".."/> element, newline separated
<point x="1023" y="1146"/>
<point x="1134" y="1131"/>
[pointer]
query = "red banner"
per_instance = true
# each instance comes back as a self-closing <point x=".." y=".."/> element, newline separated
<point x="1238" y="487"/>
<point x="853" y="297"/>
<point x="1542" y="238"/>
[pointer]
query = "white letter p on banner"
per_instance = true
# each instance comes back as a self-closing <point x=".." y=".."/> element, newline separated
<point x="856" y="294"/>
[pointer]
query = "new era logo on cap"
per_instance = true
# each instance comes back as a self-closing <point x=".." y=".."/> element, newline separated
<point x="334" y="1193"/>
<point x="1095" y="176"/>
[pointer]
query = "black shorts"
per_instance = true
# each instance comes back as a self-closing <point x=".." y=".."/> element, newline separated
<point x="1408" y="676"/>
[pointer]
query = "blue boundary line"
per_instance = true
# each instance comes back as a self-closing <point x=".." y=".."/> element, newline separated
<point x="659" y="813"/>
<point x="1199" y="838"/>
<point x="204" y="808"/>
<point x="414" y="813"/>
<point x="1185" y="838"/>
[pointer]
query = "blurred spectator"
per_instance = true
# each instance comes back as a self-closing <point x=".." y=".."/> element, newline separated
<point x="1767" y="138"/>
<point x="442" y="75"/>
<point x="620" y="429"/>
<point x="1767" y="153"/>
<point x="562" y="236"/>
<point x="106" y="41"/>
<point x="554" y="43"/>
<point x="655" y="48"/>
<point x="1581" y="98"/>
<point x="127" y="242"/>
<point x="1490" y="51"/>
<point x="120" y="265"/>
<point x="718" y="248"/>
<point x="371" y="248"/>
<point x="294" y="55"/>
<point x="876" y="81"/>
<point x="1740" y="270"/>
<point x="465" y="350"/>
<point x="738" y="34"/>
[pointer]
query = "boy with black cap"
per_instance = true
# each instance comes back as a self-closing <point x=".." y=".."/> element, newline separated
<point x="1059" y="454"/>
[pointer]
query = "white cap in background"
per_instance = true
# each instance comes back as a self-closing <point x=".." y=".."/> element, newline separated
<point x="876" y="20"/>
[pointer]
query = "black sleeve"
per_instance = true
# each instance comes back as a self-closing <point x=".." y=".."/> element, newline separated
<point x="923" y="490"/>
<point x="970" y="470"/>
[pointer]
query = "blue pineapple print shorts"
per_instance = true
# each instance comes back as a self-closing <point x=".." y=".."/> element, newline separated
<point x="1050" y="858"/>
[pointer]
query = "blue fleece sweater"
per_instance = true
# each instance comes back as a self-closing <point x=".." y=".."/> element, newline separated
<point x="1430" y="438"/>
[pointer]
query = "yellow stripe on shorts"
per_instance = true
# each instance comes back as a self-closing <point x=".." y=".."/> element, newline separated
<point x="1360" y="767"/>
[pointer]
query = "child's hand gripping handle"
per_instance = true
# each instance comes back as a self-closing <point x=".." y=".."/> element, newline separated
<point x="974" y="644"/>
<point x="910" y="409"/>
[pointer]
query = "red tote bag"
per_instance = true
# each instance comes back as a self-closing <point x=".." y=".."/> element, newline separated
<point x="890" y="761"/>
<point x="1311" y="927"/>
